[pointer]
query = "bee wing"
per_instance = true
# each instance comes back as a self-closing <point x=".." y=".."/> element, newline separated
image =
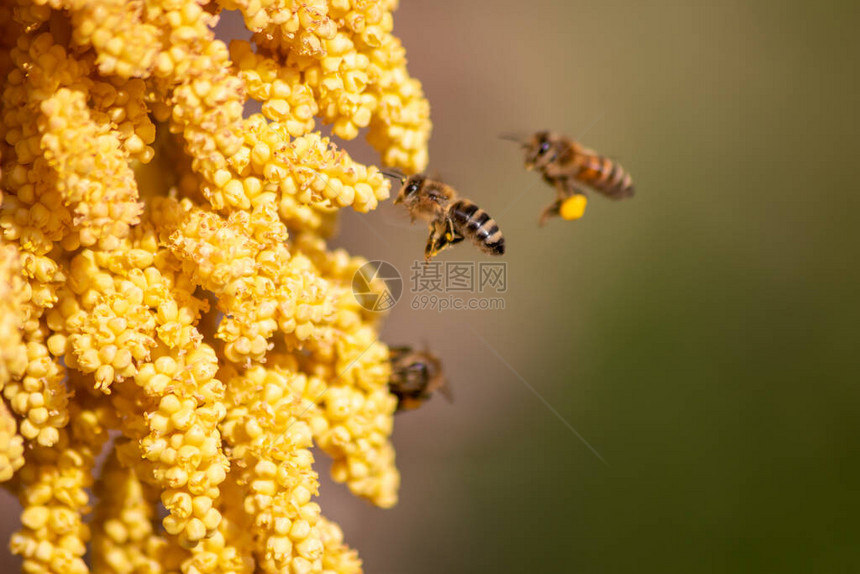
<point x="440" y="381"/>
<point x="397" y="351"/>
<point x="440" y="384"/>
<point x="398" y="219"/>
<point x="445" y="390"/>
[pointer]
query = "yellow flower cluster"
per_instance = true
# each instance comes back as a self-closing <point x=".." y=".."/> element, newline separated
<point x="167" y="297"/>
<point x="354" y="66"/>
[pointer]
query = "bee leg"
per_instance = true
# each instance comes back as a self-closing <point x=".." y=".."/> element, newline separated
<point x="452" y="236"/>
<point x="444" y="241"/>
<point x="551" y="210"/>
<point x="568" y="188"/>
<point x="562" y="190"/>
<point x="436" y="242"/>
<point x="442" y="236"/>
<point x="430" y="249"/>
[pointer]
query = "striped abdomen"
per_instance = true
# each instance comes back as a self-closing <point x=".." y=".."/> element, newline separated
<point x="604" y="175"/>
<point x="477" y="225"/>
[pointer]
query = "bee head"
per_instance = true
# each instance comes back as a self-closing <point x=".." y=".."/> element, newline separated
<point x="409" y="192"/>
<point x="415" y="376"/>
<point x="540" y="150"/>
<point x="431" y="366"/>
<point x="425" y="372"/>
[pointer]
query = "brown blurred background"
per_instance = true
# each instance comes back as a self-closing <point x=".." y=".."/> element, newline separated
<point x="701" y="336"/>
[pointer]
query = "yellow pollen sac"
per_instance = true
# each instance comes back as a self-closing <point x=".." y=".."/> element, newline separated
<point x="573" y="207"/>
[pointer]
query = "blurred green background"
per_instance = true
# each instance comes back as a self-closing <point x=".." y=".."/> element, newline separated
<point x="701" y="336"/>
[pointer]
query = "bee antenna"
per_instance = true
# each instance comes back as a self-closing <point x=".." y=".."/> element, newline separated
<point x="512" y="138"/>
<point x="394" y="174"/>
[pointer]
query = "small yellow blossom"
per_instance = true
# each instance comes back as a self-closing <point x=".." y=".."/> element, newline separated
<point x="52" y="492"/>
<point x="270" y="443"/>
<point x="124" y="539"/>
<point x="126" y="45"/>
<point x="13" y="352"/>
<point x="338" y="558"/>
<point x="11" y="444"/>
<point x="76" y="149"/>
<point x="352" y="417"/>
<point x="39" y="397"/>
<point x="167" y="297"/>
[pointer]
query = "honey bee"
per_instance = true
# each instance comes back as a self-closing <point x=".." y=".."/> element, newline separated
<point x="415" y="376"/>
<point x="565" y="164"/>
<point x="451" y="219"/>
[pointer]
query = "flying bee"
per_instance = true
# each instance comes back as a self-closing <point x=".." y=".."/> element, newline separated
<point x="565" y="165"/>
<point x="450" y="219"/>
<point x="415" y="376"/>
